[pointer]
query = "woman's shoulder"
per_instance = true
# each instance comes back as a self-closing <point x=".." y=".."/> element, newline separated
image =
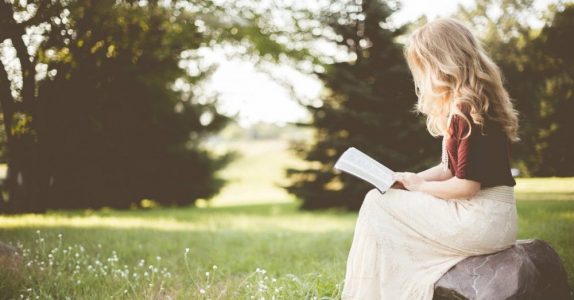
<point x="461" y="124"/>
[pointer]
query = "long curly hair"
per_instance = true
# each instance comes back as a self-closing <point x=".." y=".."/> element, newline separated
<point x="452" y="72"/>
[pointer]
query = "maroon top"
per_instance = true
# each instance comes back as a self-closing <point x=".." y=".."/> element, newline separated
<point x="482" y="158"/>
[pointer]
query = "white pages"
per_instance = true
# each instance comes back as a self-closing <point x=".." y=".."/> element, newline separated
<point x="364" y="167"/>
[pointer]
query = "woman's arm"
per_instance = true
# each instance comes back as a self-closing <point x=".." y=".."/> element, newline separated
<point x="453" y="188"/>
<point x="436" y="173"/>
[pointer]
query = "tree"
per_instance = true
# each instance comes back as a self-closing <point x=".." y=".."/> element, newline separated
<point x="101" y="110"/>
<point x="25" y="181"/>
<point x="368" y="104"/>
<point x="129" y="136"/>
<point x="555" y="46"/>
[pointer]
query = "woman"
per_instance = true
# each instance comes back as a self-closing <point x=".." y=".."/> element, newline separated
<point x="406" y="239"/>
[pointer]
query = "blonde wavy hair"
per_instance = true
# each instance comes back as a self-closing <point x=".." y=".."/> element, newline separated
<point x="451" y="71"/>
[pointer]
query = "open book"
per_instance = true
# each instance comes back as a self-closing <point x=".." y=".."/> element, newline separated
<point x="359" y="164"/>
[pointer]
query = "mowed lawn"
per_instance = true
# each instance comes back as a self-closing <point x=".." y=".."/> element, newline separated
<point x="233" y="247"/>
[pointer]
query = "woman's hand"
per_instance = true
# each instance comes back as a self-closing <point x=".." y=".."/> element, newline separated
<point x="411" y="181"/>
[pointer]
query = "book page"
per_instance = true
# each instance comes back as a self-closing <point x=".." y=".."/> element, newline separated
<point x="366" y="168"/>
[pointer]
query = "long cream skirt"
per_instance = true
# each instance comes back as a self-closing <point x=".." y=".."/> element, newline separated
<point x="404" y="241"/>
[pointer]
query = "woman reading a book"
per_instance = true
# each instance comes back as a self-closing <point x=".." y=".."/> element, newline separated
<point x="406" y="238"/>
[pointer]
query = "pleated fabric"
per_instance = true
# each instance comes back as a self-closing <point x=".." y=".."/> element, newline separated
<point x="404" y="241"/>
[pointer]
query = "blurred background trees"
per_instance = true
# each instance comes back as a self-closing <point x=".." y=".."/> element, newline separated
<point x="101" y="110"/>
<point x="101" y="104"/>
<point x="102" y="128"/>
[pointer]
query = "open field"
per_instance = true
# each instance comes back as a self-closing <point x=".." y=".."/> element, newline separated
<point x="229" y="249"/>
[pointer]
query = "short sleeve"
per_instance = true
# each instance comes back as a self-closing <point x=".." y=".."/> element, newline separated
<point x="481" y="154"/>
<point x="469" y="152"/>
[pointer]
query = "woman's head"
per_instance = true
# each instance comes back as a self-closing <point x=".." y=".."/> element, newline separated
<point x="451" y="71"/>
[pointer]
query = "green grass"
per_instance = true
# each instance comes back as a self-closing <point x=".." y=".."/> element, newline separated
<point x="251" y="249"/>
<point x="254" y="178"/>
<point x="304" y="252"/>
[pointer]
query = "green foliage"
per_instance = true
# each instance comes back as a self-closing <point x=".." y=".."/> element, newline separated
<point x="117" y="131"/>
<point x="555" y="146"/>
<point x="368" y="104"/>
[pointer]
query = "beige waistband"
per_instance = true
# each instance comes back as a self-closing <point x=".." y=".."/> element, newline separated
<point x="501" y="193"/>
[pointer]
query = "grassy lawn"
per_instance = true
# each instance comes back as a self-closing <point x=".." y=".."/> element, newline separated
<point x="226" y="250"/>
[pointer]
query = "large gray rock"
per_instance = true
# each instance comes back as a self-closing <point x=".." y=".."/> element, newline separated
<point x="531" y="269"/>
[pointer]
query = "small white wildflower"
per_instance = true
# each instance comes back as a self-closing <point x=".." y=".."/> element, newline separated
<point x="201" y="291"/>
<point x="186" y="250"/>
<point x="214" y="267"/>
<point x="206" y="273"/>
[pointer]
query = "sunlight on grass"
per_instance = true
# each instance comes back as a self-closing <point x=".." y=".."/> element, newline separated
<point x="255" y="177"/>
<point x="551" y="188"/>
<point x="566" y="216"/>
<point x="210" y="221"/>
<point x="547" y="184"/>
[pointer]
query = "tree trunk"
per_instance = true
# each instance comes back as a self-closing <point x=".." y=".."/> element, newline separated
<point x="26" y="180"/>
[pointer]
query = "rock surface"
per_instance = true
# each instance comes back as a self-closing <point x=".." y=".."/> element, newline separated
<point x="531" y="269"/>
